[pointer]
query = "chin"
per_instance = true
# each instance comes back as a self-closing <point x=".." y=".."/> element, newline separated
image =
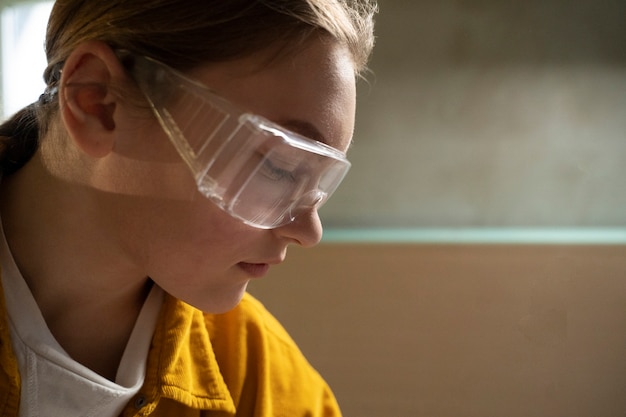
<point x="221" y="301"/>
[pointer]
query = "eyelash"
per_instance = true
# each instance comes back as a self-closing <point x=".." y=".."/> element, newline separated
<point x="277" y="173"/>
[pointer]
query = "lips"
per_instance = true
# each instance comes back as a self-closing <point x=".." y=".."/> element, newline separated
<point x="254" y="270"/>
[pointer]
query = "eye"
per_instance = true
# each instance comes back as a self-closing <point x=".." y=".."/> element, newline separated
<point x="276" y="173"/>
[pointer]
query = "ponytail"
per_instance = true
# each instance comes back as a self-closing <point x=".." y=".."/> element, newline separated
<point x="19" y="139"/>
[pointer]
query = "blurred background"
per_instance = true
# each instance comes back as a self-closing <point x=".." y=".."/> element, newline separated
<point x="22" y="57"/>
<point x="491" y="114"/>
<point x="474" y="260"/>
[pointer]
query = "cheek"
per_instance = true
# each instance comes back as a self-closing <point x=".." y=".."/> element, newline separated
<point x="143" y="139"/>
<point x="196" y="258"/>
<point x="196" y="230"/>
<point x="145" y="163"/>
<point x="145" y="180"/>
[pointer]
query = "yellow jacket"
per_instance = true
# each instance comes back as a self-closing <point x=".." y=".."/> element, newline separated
<point x="242" y="363"/>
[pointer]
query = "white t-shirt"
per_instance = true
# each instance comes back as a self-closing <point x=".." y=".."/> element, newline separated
<point x="53" y="384"/>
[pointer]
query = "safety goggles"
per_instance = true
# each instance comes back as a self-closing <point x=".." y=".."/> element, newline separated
<point x="253" y="169"/>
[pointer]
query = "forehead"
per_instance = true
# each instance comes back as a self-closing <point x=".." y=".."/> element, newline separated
<point x="310" y="90"/>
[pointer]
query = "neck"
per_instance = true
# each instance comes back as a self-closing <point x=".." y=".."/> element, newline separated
<point x="88" y="291"/>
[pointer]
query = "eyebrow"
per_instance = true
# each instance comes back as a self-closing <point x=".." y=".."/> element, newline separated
<point x="308" y="130"/>
<point x="304" y="128"/>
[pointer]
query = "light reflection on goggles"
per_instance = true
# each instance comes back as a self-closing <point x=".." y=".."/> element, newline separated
<point x="253" y="169"/>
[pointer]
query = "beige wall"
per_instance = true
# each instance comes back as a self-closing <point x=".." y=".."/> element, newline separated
<point x="460" y="330"/>
<point x="491" y="113"/>
<point x="482" y="113"/>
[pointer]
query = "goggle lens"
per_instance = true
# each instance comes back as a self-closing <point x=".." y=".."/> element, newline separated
<point x="252" y="168"/>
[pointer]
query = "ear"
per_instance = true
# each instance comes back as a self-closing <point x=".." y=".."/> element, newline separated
<point x="87" y="100"/>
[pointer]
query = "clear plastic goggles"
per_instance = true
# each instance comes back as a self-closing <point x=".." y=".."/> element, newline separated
<point x="253" y="169"/>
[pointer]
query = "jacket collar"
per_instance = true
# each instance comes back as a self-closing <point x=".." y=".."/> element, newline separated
<point x="9" y="371"/>
<point x="182" y="365"/>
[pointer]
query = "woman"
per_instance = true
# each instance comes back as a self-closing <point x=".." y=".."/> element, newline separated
<point x="125" y="259"/>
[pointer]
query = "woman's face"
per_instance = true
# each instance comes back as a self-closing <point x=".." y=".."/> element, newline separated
<point x="193" y="249"/>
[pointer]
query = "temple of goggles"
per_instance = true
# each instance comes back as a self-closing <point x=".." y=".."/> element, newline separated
<point x="253" y="169"/>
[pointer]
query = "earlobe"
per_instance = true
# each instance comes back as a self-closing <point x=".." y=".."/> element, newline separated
<point x="87" y="100"/>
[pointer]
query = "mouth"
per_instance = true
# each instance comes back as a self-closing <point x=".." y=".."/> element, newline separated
<point x="254" y="270"/>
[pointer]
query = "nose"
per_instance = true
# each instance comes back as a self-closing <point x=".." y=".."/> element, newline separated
<point x="305" y="230"/>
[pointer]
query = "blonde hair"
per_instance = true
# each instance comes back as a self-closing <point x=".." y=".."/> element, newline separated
<point x="182" y="34"/>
